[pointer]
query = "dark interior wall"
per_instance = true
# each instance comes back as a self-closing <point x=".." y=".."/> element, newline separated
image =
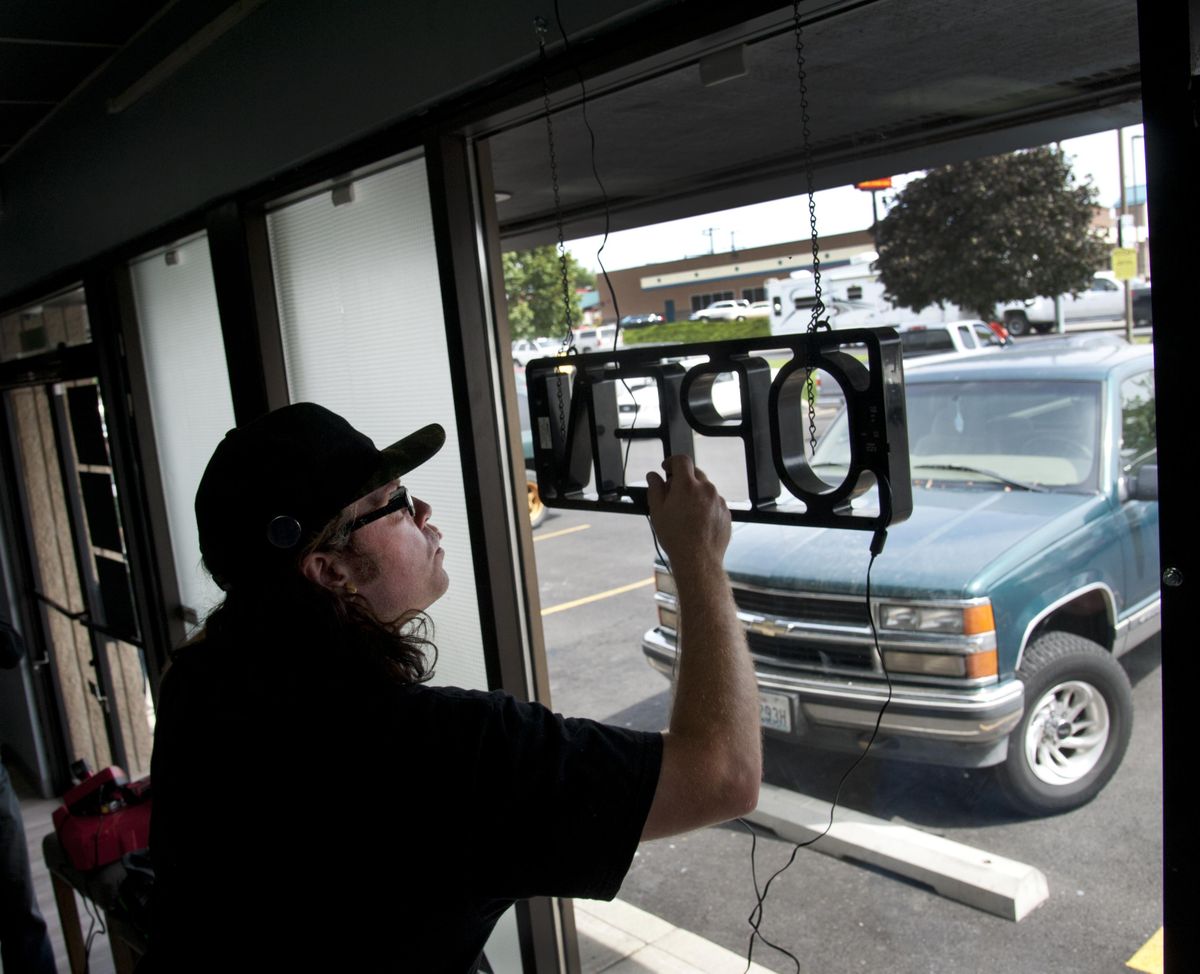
<point x="293" y="80"/>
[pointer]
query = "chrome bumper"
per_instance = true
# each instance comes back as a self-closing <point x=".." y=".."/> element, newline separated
<point x="979" y="717"/>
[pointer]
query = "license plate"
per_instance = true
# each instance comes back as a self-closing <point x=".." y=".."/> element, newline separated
<point x="775" y="711"/>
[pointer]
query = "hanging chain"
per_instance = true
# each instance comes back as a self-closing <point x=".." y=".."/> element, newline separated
<point x="541" y="27"/>
<point x="818" y="308"/>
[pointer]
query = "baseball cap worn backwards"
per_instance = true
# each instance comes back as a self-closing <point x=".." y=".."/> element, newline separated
<point x="272" y="485"/>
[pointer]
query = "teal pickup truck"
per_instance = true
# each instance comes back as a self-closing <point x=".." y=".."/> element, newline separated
<point x="1029" y="564"/>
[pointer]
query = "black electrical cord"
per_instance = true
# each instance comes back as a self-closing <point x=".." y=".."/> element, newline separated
<point x="603" y="243"/>
<point x="878" y="540"/>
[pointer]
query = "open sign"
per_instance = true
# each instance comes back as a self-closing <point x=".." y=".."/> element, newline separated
<point x="580" y="434"/>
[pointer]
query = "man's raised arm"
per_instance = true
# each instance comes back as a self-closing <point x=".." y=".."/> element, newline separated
<point x="712" y="751"/>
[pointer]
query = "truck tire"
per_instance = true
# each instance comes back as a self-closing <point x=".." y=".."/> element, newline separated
<point x="1076" y="725"/>
<point x="1016" y="323"/>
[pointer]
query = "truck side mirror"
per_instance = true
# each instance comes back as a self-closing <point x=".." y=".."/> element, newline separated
<point x="1144" y="483"/>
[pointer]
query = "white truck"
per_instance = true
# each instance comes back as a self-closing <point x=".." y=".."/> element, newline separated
<point x="1104" y="301"/>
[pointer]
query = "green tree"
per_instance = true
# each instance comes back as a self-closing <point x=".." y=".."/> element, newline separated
<point x="533" y="288"/>
<point x="990" y="231"/>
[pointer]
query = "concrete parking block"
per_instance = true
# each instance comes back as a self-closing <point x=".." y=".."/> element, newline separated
<point x="988" y="882"/>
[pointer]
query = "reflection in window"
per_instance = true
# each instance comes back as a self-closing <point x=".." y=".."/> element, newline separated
<point x="1038" y="433"/>
<point x="1139" y="436"/>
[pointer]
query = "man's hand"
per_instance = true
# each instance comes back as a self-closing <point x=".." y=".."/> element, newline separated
<point x="689" y="516"/>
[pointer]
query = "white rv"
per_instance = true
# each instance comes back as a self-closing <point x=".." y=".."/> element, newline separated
<point x="853" y="298"/>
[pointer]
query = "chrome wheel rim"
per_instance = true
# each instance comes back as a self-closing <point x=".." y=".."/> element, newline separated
<point x="1066" y="736"/>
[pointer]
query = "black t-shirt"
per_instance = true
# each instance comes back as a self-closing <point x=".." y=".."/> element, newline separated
<point x="301" y="818"/>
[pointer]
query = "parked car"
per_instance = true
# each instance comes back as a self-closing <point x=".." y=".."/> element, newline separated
<point x="595" y="339"/>
<point x="641" y="321"/>
<point x="1104" y="300"/>
<point x="1029" y="564"/>
<point x="525" y="350"/>
<point x="759" y="309"/>
<point x="1143" y="312"/>
<point x="951" y="337"/>
<point x="723" y="311"/>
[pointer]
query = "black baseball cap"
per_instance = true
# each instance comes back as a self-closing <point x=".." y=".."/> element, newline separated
<point x="273" y="485"/>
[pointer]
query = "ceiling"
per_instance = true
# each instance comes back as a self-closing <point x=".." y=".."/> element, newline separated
<point x="893" y="86"/>
<point x="48" y="50"/>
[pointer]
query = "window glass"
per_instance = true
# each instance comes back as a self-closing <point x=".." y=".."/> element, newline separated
<point x="926" y="341"/>
<point x="361" y="318"/>
<point x="985" y="335"/>
<point x="190" y="402"/>
<point x="61" y="320"/>
<point x="1037" y="433"/>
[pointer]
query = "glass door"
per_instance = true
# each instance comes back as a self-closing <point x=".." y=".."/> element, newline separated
<point x="89" y="660"/>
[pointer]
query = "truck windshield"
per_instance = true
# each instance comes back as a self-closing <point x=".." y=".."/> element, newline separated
<point x="1000" y="434"/>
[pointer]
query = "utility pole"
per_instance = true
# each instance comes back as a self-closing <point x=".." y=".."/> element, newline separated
<point x="1121" y="233"/>
<point x="712" y="248"/>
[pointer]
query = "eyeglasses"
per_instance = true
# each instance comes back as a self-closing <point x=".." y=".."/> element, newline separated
<point x="400" y="499"/>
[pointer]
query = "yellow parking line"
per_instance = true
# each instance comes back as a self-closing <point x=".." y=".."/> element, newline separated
<point x="559" y="534"/>
<point x="598" y="596"/>
<point x="1150" y="958"/>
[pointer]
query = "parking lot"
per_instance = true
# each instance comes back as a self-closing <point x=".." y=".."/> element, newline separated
<point x="1102" y="862"/>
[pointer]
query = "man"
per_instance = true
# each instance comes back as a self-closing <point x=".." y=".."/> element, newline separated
<point x="318" y="805"/>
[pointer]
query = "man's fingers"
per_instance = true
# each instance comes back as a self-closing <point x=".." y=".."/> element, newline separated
<point x="678" y="464"/>
<point x="656" y="489"/>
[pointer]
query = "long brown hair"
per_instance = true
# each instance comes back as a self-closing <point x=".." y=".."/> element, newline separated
<point x="286" y="608"/>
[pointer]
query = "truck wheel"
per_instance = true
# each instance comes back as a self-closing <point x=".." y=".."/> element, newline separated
<point x="1016" y="323"/>
<point x="537" y="508"/>
<point x="1076" y="725"/>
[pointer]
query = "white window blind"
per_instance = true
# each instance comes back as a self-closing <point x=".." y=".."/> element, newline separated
<point x="362" y="329"/>
<point x="191" y="405"/>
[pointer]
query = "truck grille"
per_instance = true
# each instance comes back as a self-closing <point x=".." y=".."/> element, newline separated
<point x="803" y="608"/>
<point x="810" y="653"/>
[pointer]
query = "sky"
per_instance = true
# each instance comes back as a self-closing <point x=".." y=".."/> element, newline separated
<point x="838" y="211"/>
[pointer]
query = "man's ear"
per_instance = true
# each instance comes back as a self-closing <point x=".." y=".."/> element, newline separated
<point x="325" y="568"/>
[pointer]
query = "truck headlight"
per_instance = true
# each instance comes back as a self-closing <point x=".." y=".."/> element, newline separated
<point x="965" y="620"/>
